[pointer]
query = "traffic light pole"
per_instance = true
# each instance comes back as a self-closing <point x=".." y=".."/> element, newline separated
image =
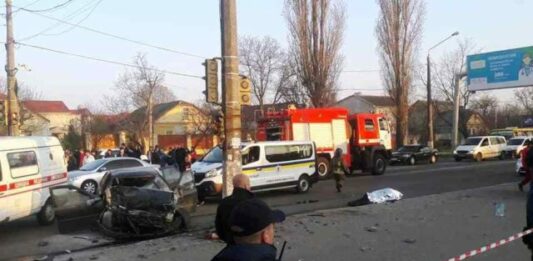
<point x="12" y="101"/>
<point x="230" y="90"/>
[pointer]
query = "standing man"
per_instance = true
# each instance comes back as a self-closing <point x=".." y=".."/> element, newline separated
<point x="339" y="170"/>
<point x="241" y="192"/>
<point x="523" y="157"/>
<point x="88" y="157"/>
<point x="180" y="155"/>
<point x="252" y="227"/>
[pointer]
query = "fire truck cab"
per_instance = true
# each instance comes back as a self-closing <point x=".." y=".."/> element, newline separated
<point x="364" y="138"/>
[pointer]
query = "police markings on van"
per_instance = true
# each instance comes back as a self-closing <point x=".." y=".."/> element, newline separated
<point x="270" y="166"/>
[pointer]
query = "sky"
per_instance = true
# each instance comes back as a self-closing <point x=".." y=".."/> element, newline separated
<point x="193" y="27"/>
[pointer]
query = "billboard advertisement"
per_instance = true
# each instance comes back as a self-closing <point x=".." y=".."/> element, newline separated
<point x="501" y="69"/>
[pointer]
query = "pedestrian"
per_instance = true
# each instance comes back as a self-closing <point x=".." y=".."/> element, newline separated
<point x="108" y="154"/>
<point x="77" y="157"/>
<point x="241" y="192"/>
<point x="523" y="157"/>
<point x="339" y="170"/>
<point x="193" y="155"/>
<point x="81" y="158"/>
<point x="180" y="154"/>
<point x="88" y="158"/>
<point x="155" y="157"/>
<point x="252" y="227"/>
<point x="70" y="160"/>
<point x="528" y="239"/>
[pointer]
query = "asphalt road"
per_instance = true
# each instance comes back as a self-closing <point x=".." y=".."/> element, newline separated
<point x="21" y="238"/>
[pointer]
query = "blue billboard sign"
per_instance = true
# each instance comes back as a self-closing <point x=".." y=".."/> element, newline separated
<point x="501" y="69"/>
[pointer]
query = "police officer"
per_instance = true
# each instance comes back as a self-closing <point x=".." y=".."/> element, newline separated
<point x="339" y="170"/>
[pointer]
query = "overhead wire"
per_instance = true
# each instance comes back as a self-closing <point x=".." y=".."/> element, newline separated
<point x="106" y="60"/>
<point x="72" y="15"/>
<point x="121" y="37"/>
<point x="53" y="8"/>
<point x="78" y="23"/>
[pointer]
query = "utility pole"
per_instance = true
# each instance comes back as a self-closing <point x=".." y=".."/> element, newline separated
<point x="456" y="108"/>
<point x="150" y="118"/>
<point x="13" y="113"/>
<point x="230" y="90"/>
<point x="430" y="104"/>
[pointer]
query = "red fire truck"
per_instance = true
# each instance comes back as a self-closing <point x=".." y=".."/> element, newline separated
<point x="364" y="138"/>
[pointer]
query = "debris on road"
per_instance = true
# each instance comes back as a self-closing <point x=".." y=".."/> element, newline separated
<point x="43" y="243"/>
<point x="409" y="241"/>
<point x="377" y="197"/>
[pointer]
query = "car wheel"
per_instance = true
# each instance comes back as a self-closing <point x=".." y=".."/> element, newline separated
<point x="479" y="157"/>
<point x="502" y="156"/>
<point x="379" y="165"/>
<point x="412" y="161"/>
<point x="47" y="215"/>
<point x="303" y="184"/>
<point x="432" y="159"/>
<point x="323" y="168"/>
<point x="89" y="186"/>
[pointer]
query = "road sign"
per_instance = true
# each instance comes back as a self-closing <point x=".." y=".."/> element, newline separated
<point x="502" y="69"/>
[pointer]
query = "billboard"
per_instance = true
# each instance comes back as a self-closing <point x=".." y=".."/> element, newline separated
<point x="501" y="69"/>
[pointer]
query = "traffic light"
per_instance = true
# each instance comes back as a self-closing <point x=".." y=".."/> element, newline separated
<point x="3" y="112"/>
<point x="245" y="89"/>
<point x="211" y="80"/>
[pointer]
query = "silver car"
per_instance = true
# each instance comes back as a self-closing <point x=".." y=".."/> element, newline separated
<point x="89" y="175"/>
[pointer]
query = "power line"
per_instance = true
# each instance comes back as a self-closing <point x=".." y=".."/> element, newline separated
<point x="107" y="61"/>
<point x="70" y="16"/>
<point x="120" y="37"/>
<point x="360" y="71"/>
<point x="79" y="22"/>
<point x="49" y="9"/>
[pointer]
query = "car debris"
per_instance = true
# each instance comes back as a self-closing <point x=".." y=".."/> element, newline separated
<point x="133" y="203"/>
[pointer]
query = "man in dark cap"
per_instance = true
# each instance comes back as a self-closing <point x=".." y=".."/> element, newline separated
<point x="252" y="226"/>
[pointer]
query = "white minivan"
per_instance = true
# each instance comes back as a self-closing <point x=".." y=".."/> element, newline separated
<point x="515" y="145"/>
<point x="480" y="148"/>
<point x="270" y="165"/>
<point x="28" y="166"/>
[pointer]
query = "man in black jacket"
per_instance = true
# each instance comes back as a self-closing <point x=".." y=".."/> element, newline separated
<point x="252" y="227"/>
<point x="241" y="192"/>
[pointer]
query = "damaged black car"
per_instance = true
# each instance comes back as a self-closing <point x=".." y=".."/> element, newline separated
<point x="131" y="203"/>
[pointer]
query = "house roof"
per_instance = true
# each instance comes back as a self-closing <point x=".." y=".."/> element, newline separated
<point x="45" y="106"/>
<point x="379" y="101"/>
<point x="160" y="109"/>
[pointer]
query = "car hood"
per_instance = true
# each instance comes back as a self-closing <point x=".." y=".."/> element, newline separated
<point x="466" y="147"/>
<point x="77" y="173"/>
<point x="401" y="153"/>
<point x="203" y="167"/>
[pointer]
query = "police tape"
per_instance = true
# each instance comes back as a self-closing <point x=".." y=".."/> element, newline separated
<point x="491" y="246"/>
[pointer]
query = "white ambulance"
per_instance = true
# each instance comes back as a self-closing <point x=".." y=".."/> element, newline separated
<point x="28" y="167"/>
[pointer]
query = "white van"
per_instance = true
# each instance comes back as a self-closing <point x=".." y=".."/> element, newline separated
<point x="28" y="166"/>
<point x="270" y="166"/>
<point x="480" y="148"/>
<point x="515" y="145"/>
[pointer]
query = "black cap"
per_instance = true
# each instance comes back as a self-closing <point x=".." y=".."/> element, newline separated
<point x="252" y="216"/>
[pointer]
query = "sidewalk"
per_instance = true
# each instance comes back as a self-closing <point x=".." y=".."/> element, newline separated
<point x="435" y="227"/>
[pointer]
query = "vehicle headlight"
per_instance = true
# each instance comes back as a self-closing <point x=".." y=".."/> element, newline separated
<point x="213" y="173"/>
<point x="73" y="179"/>
<point x="454" y="151"/>
<point x="406" y="155"/>
<point x="471" y="151"/>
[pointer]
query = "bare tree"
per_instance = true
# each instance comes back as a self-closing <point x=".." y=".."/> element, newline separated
<point x="204" y="122"/>
<point x="316" y="29"/>
<point x="261" y="60"/>
<point x="485" y="105"/>
<point x="524" y="96"/>
<point x="141" y="88"/>
<point x="398" y="31"/>
<point x="445" y="72"/>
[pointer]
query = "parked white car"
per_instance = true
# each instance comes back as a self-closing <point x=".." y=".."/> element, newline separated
<point x="480" y="148"/>
<point x="89" y="175"/>
<point x="515" y="145"/>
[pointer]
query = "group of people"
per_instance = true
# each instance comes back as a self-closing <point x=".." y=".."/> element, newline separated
<point x="74" y="160"/>
<point x="180" y="156"/>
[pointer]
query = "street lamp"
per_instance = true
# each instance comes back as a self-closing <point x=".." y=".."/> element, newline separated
<point x="429" y="107"/>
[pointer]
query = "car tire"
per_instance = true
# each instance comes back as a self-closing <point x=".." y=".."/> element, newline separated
<point x="89" y="186"/>
<point x="46" y="215"/>
<point x="502" y="156"/>
<point x="379" y="166"/>
<point x="479" y="157"/>
<point x="432" y="159"/>
<point x="303" y="185"/>
<point x="323" y="168"/>
<point x="412" y="161"/>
